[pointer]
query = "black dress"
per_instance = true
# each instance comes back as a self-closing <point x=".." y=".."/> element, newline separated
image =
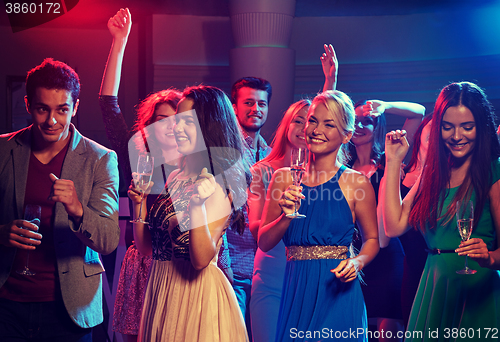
<point x="384" y="275"/>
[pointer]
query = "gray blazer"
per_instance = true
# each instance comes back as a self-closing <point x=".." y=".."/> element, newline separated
<point x="94" y="171"/>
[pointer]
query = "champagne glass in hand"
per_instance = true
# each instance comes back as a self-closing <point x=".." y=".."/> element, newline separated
<point x="145" y="165"/>
<point x="297" y="168"/>
<point x="33" y="214"/>
<point x="465" y="222"/>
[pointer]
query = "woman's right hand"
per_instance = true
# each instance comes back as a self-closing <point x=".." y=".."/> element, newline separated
<point x="119" y="25"/>
<point x="396" y="146"/>
<point x="135" y="194"/>
<point x="290" y="198"/>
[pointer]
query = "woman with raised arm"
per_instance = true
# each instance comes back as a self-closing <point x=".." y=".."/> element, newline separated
<point x="269" y="267"/>
<point x="366" y="154"/>
<point x="188" y="298"/>
<point x="321" y="289"/>
<point x="462" y="164"/>
<point x="153" y="128"/>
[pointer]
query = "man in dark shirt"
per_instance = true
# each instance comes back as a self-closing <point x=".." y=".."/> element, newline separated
<point x="75" y="181"/>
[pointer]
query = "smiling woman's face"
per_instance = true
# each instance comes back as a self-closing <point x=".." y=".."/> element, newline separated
<point x="364" y="127"/>
<point x="458" y="131"/>
<point x="296" y="135"/>
<point x="164" y="122"/>
<point x="322" y="133"/>
<point x="186" y="130"/>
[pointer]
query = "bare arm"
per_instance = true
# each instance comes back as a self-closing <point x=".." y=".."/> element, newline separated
<point x="366" y="218"/>
<point x="383" y="239"/>
<point x="413" y="112"/>
<point x="119" y="26"/>
<point x="280" y="201"/>
<point x="209" y="212"/>
<point x="256" y="193"/>
<point x="330" y="67"/>
<point x="395" y="211"/>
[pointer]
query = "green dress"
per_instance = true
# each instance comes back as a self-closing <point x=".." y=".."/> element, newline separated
<point x="455" y="307"/>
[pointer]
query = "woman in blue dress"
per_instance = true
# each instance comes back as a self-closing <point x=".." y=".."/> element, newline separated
<point x="462" y="164"/>
<point x="322" y="297"/>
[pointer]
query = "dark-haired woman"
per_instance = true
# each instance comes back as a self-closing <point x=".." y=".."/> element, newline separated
<point x="462" y="164"/>
<point x="384" y="275"/>
<point x="153" y="128"/>
<point x="188" y="298"/>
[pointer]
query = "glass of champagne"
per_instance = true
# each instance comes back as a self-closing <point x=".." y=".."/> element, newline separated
<point x="145" y="166"/>
<point x="33" y="214"/>
<point x="297" y="168"/>
<point x="465" y="222"/>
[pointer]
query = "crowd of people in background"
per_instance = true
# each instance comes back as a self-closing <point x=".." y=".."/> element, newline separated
<point x="217" y="254"/>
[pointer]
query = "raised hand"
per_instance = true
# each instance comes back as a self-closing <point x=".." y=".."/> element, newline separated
<point x="64" y="191"/>
<point x="373" y="108"/>
<point x="205" y="187"/>
<point x="119" y="25"/>
<point x="20" y="234"/>
<point x="329" y="62"/>
<point x="291" y="196"/>
<point x="396" y="145"/>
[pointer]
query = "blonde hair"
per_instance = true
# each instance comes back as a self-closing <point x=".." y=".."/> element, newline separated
<point x="342" y="109"/>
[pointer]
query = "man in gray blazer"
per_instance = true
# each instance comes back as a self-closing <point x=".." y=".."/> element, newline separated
<point x="75" y="181"/>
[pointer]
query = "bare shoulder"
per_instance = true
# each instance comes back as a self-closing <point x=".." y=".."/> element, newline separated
<point x="282" y="173"/>
<point x="355" y="179"/>
<point x="282" y="178"/>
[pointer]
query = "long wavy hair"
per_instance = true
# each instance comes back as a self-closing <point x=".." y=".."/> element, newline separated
<point x="280" y="140"/>
<point x="223" y="140"/>
<point x="428" y="203"/>
<point x="378" y="145"/>
<point x="146" y="116"/>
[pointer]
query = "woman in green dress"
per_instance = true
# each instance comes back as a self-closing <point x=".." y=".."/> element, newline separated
<point x="462" y="164"/>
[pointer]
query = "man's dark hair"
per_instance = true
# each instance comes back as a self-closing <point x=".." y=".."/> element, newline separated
<point x="251" y="82"/>
<point x="52" y="74"/>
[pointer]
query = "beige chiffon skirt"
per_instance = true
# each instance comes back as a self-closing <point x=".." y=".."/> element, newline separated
<point x="182" y="304"/>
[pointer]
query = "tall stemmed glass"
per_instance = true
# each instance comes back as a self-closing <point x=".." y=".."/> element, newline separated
<point x="297" y="168"/>
<point x="33" y="214"/>
<point x="465" y="222"/>
<point x="145" y="166"/>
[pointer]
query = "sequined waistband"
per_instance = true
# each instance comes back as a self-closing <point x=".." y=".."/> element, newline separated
<point x="316" y="252"/>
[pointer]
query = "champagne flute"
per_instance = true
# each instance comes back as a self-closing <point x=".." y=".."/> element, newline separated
<point x="33" y="214"/>
<point x="465" y="222"/>
<point x="145" y="165"/>
<point x="297" y="168"/>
